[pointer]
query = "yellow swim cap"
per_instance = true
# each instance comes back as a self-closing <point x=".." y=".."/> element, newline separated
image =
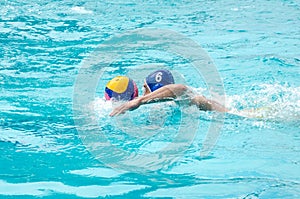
<point x="118" y="84"/>
<point x="121" y="88"/>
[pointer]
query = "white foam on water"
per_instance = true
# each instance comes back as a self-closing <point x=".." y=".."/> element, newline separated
<point x="81" y="10"/>
<point x="268" y="101"/>
<point x="102" y="107"/>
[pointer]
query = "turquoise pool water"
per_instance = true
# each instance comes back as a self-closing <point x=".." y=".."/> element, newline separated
<point x="255" y="48"/>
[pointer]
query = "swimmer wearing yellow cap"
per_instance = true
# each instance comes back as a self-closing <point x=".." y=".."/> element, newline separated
<point x="121" y="88"/>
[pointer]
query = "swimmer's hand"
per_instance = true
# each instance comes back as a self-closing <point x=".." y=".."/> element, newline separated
<point x="130" y="105"/>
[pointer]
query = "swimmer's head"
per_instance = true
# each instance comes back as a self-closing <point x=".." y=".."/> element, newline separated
<point x="121" y="88"/>
<point x="158" y="79"/>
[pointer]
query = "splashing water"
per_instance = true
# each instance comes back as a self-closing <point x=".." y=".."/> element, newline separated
<point x="269" y="102"/>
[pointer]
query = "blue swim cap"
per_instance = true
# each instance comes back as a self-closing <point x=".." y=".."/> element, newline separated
<point x="159" y="79"/>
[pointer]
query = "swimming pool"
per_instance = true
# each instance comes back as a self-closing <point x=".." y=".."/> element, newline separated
<point x="254" y="46"/>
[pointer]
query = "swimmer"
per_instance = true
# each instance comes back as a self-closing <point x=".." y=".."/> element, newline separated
<point x="160" y="86"/>
<point x="121" y="88"/>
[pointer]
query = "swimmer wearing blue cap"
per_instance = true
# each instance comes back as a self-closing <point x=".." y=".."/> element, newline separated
<point x="157" y="79"/>
<point x="160" y="86"/>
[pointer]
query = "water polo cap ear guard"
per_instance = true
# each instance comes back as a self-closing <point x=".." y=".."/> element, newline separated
<point x="154" y="87"/>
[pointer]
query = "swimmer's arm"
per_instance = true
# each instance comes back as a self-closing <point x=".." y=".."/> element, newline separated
<point x="165" y="93"/>
<point x="207" y="105"/>
<point x="168" y="92"/>
<point x="175" y="90"/>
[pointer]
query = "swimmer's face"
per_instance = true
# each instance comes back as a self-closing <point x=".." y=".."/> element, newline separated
<point x="146" y="89"/>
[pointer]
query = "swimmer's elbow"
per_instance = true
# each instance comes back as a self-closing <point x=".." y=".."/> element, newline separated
<point x="182" y="87"/>
<point x="179" y="89"/>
